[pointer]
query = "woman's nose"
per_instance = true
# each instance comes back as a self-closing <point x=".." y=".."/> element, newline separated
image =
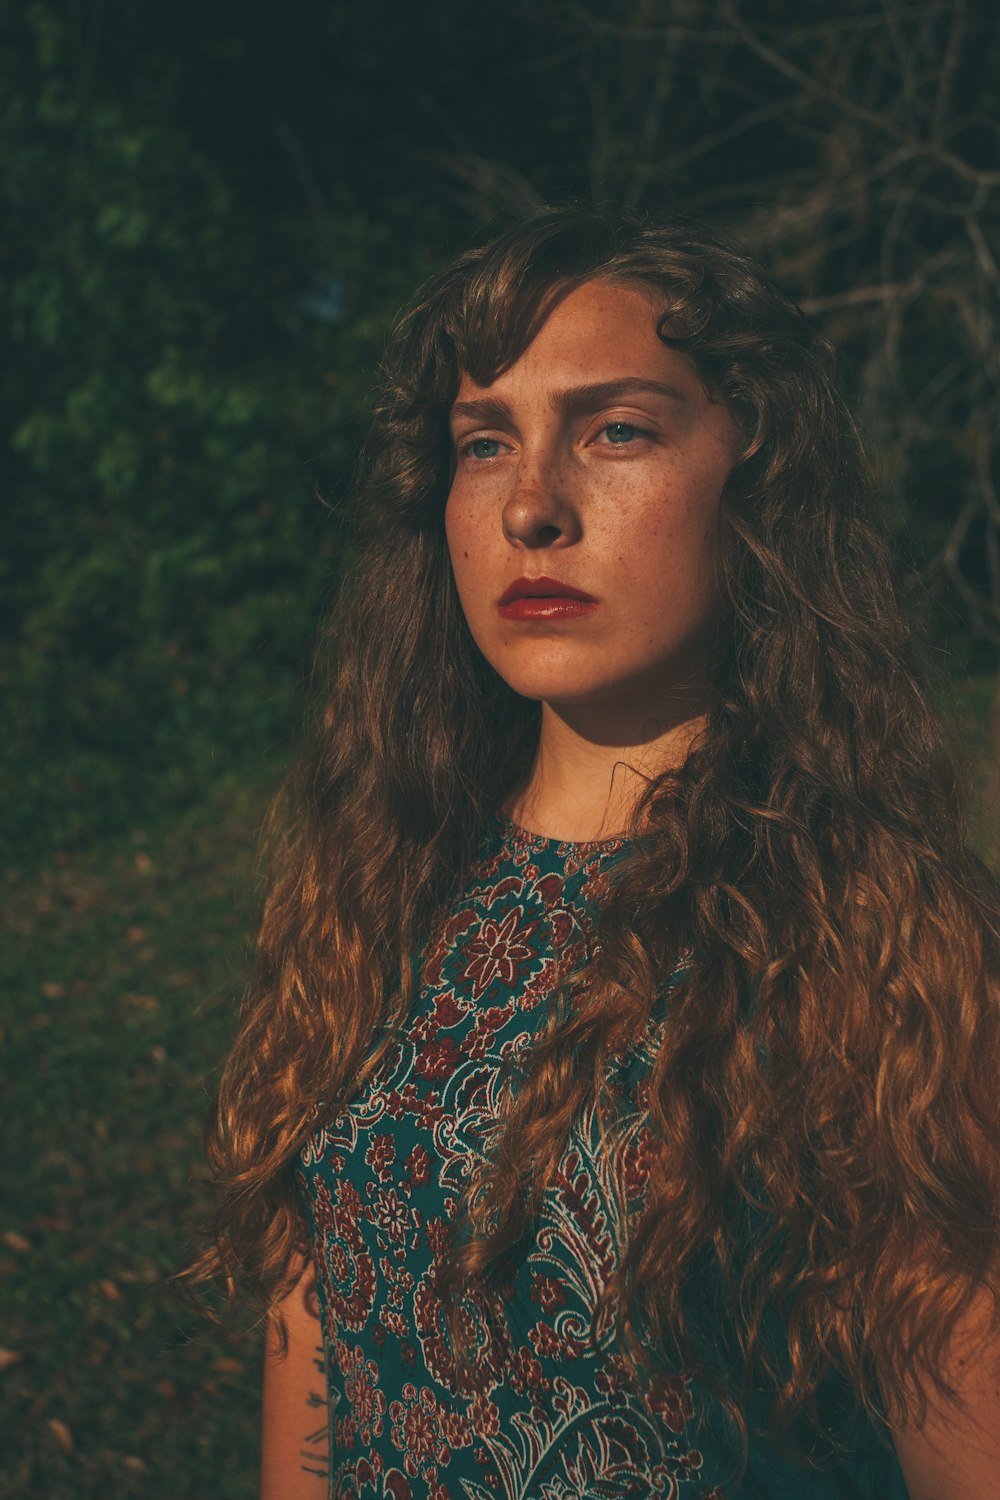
<point x="539" y="511"/>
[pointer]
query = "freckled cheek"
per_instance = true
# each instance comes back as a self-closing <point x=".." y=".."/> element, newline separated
<point x="472" y="564"/>
<point x="668" y="580"/>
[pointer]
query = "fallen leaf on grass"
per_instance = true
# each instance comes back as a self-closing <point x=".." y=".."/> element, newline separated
<point x="9" y="1357"/>
<point x="53" y="990"/>
<point x="15" y="1241"/>
<point x="136" y="934"/>
<point x="135" y="1463"/>
<point x="140" y="1002"/>
<point x="147" y="1274"/>
<point x="61" y="1433"/>
<point x="109" y="1290"/>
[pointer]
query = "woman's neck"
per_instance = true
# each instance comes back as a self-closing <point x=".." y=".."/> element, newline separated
<point x="583" y="784"/>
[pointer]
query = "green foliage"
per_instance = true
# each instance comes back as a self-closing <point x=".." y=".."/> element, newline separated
<point x="174" y="418"/>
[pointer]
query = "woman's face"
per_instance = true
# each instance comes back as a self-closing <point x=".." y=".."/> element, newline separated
<point x="594" y="463"/>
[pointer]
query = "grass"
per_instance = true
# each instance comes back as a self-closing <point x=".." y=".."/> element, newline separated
<point x="126" y="960"/>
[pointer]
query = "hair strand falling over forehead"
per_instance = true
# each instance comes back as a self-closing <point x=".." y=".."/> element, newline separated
<point x="823" y="1111"/>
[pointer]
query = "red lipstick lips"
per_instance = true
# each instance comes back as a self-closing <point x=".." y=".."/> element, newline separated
<point x="544" y="599"/>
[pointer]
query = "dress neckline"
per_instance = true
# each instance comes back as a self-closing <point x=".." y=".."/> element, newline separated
<point x="515" y="834"/>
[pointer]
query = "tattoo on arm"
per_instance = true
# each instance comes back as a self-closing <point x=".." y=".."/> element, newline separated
<point x="315" y="1452"/>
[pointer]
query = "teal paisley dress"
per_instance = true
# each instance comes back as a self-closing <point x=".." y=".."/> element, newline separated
<point x="552" y="1420"/>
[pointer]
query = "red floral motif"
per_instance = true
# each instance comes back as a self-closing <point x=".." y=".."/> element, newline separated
<point x="638" y="1160"/>
<point x="365" y="1471"/>
<point x="395" y="1275"/>
<point x="346" y="1269"/>
<point x="670" y="1401"/>
<point x="546" y="1342"/>
<point x="498" y="952"/>
<point x="490" y="1343"/>
<point x="485" y="1416"/>
<point x="393" y="1321"/>
<point x="547" y="1292"/>
<point x="526" y="1373"/>
<point x="429" y="1324"/>
<point x="397" y="1485"/>
<point x="416" y="1432"/>
<point x="345" y="1432"/>
<point x="615" y="1376"/>
<point x="390" y="1214"/>
<point x="443" y="942"/>
<point x="553" y="1346"/>
<point x="446" y="1011"/>
<point x="424" y="1029"/>
<point x="456" y="1428"/>
<point x="407" y="1101"/>
<point x="482" y="1036"/>
<point x="418" y="1166"/>
<point x="349" y="1199"/>
<point x="362" y="1391"/>
<point x="438" y="1058"/>
<point x="440" y="1234"/>
<point x="381" y="1156"/>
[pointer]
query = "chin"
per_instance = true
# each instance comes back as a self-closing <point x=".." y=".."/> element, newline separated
<point x="557" y="688"/>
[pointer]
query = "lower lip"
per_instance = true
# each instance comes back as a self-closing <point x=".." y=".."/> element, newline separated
<point x="553" y="608"/>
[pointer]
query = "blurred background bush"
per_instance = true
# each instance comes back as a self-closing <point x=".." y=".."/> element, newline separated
<point x="209" y="215"/>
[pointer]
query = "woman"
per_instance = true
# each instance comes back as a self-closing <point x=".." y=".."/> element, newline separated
<point x="614" y="1108"/>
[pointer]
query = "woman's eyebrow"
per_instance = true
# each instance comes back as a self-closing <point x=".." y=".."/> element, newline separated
<point x="605" y="392"/>
<point x="491" y="411"/>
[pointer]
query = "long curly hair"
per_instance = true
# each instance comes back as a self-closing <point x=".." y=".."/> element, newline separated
<point x="823" y="1107"/>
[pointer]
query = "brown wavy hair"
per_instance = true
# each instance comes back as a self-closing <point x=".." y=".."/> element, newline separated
<point x="822" y="1110"/>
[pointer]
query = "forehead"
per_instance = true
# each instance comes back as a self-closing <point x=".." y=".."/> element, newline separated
<point x="599" y="331"/>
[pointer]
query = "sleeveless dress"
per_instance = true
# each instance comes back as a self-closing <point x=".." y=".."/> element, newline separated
<point x="553" y="1421"/>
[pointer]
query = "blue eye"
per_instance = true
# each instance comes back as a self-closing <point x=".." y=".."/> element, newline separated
<point x="620" y="432"/>
<point x="483" y="448"/>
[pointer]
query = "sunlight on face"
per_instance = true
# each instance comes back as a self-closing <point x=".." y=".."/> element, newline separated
<point x="596" y="463"/>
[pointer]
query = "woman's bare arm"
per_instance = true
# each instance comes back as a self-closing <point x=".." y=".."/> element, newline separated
<point x="295" y="1456"/>
<point x="955" y="1454"/>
